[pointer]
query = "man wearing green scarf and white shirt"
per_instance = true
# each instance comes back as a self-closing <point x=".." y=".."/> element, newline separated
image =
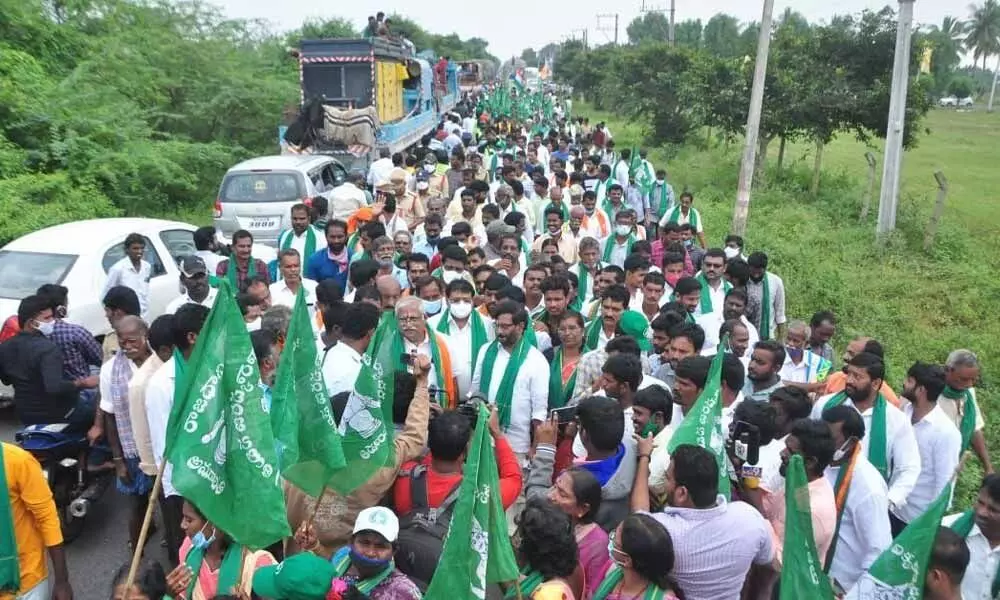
<point x="587" y="268"/>
<point x="714" y="287"/>
<point x="470" y="332"/>
<point x="959" y="402"/>
<point x="302" y="237"/>
<point x="617" y="246"/>
<point x="766" y="299"/>
<point x="889" y="442"/>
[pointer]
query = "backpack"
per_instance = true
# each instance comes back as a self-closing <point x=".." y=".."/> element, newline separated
<point x="422" y="530"/>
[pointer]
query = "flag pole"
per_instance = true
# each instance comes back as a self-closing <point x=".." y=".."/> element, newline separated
<point x="315" y="509"/>
<point x="140" y="543"/>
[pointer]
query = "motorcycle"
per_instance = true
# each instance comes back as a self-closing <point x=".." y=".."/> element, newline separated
<point x="64" y="459"/>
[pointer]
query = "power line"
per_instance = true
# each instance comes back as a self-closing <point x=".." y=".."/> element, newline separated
<point x="672" y="10"/>
<point x="606" y="29"/>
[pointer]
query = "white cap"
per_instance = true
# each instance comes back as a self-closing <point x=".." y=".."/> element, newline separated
<point x="379" y="519"/>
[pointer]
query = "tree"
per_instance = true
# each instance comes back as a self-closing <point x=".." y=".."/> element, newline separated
<point x="323" y="29"/>
<point x="945" y="44"/>
<point x="529" y="57"/>
<point x="983" y="33"/>
<point x="650" y="27"/>
<point x="688" y="33"/>
<point x="722" y="36"/>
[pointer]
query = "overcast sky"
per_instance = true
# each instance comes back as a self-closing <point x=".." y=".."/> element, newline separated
<point x="512" y="25"/>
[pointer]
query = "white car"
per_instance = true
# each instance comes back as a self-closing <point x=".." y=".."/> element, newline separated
<point x="948" y="101"/>
<point x="967" y="101"/>
<point x="78" y="255"/>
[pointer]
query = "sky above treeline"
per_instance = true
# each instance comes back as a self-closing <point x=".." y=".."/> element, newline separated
<point x="514" y="25"/>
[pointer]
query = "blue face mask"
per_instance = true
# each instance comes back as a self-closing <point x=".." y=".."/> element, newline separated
<point x="200" y="542"/>
<point x="794" y="353"/>
<point x="366" y="563"/>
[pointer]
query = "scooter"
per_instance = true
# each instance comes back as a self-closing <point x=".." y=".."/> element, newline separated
<point x="64" y="460"/>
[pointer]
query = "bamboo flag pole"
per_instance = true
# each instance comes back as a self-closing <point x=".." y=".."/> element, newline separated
<point x="154" y="494"/>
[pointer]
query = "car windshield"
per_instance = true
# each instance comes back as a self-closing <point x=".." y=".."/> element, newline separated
<point x="262" y="187"/>
<point x="22" y="273"/>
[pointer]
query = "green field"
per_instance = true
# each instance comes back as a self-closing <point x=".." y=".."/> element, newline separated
<point x="920" y="305"/>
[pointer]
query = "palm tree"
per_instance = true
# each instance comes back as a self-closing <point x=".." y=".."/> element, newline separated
<point x="983" y="33"/>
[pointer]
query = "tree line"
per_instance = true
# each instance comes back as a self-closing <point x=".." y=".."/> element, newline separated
<point x="118" y="107"/>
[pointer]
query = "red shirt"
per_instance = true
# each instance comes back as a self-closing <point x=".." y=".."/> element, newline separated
<point x="440" y="485"/>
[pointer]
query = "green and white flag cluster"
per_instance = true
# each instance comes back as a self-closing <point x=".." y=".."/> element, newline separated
<point x="899" y="572"/>
<point x="703" y="424"/>
<point x="219" y="436"/>
<point x="477" y="551"/>
<point x="641" y="173"/>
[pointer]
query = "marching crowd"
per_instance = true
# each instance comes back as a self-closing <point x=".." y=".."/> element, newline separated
<point x="531" y="265"/>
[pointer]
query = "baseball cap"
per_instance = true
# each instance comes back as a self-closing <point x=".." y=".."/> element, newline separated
<point x="633" y="323"/>
<point x="304" y="576"/>
<point x="193" y="265"/>
<point x="379" y="519"/>
<point x="498" y="227"/>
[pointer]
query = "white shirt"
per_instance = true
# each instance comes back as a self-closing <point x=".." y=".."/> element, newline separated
<point x="776" y="288"/>
<point x="461" y="348"/>
<point x="618" y="251"/>
<point x="159" y="401"/>
<point x="282" y="296"/>
<point x="807" y="371"/>
<point x="104" y="385"/>
<point x="983" y="563"/>
<point x="718" y="296"/>
<point x="424" y="349"/>
<point x="341" y="366"/>
<point x="621" y="173"/>
<point x="180" y="301"/>
<point x="378" y="173"/>
<point x="768" y="465"/>
<point x="530" y="399"/>
<point x="345" y="200"/>
<point x="728" y="412"/>
<point x="210" y="258"/>
<point x="518" y="279"/>
<point x="712" y="322"/>
<point x="298" y="244"/>
<point x="940" y="444"/>
<point x="864" y="527"/>
<point x="125" y="273"/>
<point x="901" y="448"/>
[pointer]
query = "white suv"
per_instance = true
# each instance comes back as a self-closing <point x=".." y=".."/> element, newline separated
<point x="257" y="194"/>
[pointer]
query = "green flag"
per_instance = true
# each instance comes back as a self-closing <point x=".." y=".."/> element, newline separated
<point x="802" y="573"/>
<point x="703" y="424"/>
<point x="900" y="570"/>
<point x="301" y="416"/>
<point x="219" y="437"/>
<point x="477" y="551"/>
<point x="366" y="425"/>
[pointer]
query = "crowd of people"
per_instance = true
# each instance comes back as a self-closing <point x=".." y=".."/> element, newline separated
<point x="536" y="267"/>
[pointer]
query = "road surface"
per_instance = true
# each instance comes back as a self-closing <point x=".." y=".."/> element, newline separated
<point x="103" y="547"/>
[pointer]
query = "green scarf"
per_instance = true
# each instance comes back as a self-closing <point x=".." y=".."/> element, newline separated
<point x="478" y="331"/>
<point x="968" y="424"/>
<point x="610" y="243"/>
<point x="232" y="274"/>
<point x="528" y="585"/>
<point x="876" y="438"/>
<point x="310" y="242"/>
<point x="180" y="372"/>
<point x="505" y="393"/>
<point x="229" y="570"/>
<point x="664" y="199"/>
<point x="613" y="577"/>
<point x="10" y="569"/>
<point x="675" y="217"/>
<point x="592" y="335"/>
<point x="559" y="394"/>
<point x="352" y="241"/>
<point x="526" y="250"/>
<point x="706" y="296"/>
<point x="765" y="309"/>
<point x="582" y="282"/>
<point x="963" y="527"/>
<point x="342" y="562"/>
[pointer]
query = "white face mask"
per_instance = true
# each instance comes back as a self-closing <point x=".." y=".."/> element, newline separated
<point x="460" y="310"/>
<point x="45" y="327"/>
<point x="731" y="252"/>
<point x="431" y="307"/>
<point x="623" y="229"/>
<point x="429" y="168"/>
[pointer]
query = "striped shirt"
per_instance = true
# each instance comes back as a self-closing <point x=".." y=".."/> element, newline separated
<point x="714" y="547"/>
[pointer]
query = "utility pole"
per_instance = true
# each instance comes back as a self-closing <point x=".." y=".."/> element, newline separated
<point x="670" y="30"/>
<point x="889" y="197"/>
<point x="582" y="32"/>
<point x="993" y="90"/>
<point x="606" y="28"/>
<point x="742" y="208"/>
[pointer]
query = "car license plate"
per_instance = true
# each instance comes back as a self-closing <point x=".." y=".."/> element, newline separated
<point x="262" y="223"/>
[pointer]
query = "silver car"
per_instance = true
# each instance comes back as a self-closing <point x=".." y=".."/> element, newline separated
<point x="258" y="194"/>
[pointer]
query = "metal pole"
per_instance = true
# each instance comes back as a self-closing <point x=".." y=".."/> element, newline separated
<point x="742" y="208"/>
<point x="616" y="29"/>
<point x="893" y="158"/>
<point x="993" y="90"/>
<point x="670" y="35"/>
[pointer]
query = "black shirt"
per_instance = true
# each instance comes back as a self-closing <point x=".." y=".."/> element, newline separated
<point x="33" y="364"/>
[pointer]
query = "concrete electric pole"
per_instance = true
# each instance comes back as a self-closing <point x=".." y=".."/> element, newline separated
<point x="742" y="209"/>
<point x="670" y="29"/>
<point x="889" y="197"/>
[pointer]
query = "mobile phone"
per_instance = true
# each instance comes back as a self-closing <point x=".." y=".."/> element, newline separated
<point x="407" y="359"/>
<point x="566" y="414"/>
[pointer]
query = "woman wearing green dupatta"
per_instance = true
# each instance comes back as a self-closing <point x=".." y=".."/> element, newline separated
<point x="547" y="554"/>
<point x="564" y="359"/>
<point x="643" y="557"/>
<point x="212" y="564"/>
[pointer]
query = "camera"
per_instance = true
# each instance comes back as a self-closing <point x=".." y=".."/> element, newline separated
<point x="470" y="407"/>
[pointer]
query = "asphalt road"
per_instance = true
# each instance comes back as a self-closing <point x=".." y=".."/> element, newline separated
<point x="94" y="557"/>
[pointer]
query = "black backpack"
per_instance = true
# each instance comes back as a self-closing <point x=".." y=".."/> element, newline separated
<point x="422" y="530"/>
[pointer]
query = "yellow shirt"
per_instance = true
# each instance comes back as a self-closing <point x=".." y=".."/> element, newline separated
<point x="36" y="522"/>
